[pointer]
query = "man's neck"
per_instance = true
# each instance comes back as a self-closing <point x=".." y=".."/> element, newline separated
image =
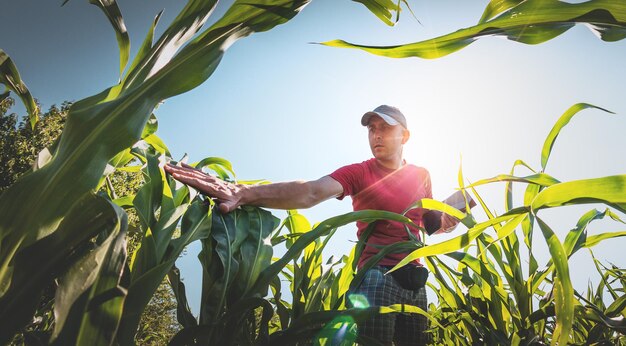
<point x="394" y="163"/>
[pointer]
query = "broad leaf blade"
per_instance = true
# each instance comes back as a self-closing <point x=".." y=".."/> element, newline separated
<point x="114" y="15"/>
<point x="531" y="22"/>
<point x="608" y="190"/>
<point x="563" y="120"/>
<point x="10" y="77"/>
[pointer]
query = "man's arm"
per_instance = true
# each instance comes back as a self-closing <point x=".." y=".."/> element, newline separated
<point x="287" y="195"/>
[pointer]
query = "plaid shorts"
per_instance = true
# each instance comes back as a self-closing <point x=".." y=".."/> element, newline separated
<point x="401" y="328"/>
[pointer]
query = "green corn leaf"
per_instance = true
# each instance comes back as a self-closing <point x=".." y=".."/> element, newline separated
<point x="139" y="294"/>
<point x="575" y="240"/>
<point x="183" y="312"/>
<point x="296" y="223"/>
<point x="563" y="120"/>
<point x="528" y="225"/>
<point x="563" y="290"/>
<point x="148" y="199"/>
<point x="164" y="229"/>
<point x="530" y="22"/>
<point x="577" y="237"/>
<point x="382" y="9"/>
<point x="457" y="242"/>
<point x="103" y="312"/>
<point x="92" y="267"/>
<point x="224" y="233"/>
<point x="10" y="77"/>
<point x="595" y="239"/>
<point x="145" y="49"/>
<point x="617" y="323"/>
<point x="145" y="257"/>
<point x="188" y="22"/>
<point x="151" y="126"/>
<point x="608" y="190"/>
<point x="617" y="307"/>
<point x="256" y="251"/>
<point x="216" y="162"/>
<point x="122" y="159"/>
<point x="541" y="179"/>
<point x="495" y="7"/>
<point x="156" y="256"/>
<point x="157" y="143"/>
<point x="485" y="270"/>
<point x="342" y="283"/>
<point x="234" y="318"/>
<point x="432" y="204"/>
<point x="38" y="264"/>
<point x="323" y="228"/>
<point x="124" y="202"/>
<point x="113" y="14"/>
<point x="195" y="225"/>
<point x="508" y="229"/>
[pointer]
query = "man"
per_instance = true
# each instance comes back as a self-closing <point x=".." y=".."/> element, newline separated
<point x="385" y="182"/>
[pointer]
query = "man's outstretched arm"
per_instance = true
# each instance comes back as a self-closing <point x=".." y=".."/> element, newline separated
<point x="287" y="195"/>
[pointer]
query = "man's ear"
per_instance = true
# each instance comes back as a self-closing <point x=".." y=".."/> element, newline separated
<point x="406" y="134"/>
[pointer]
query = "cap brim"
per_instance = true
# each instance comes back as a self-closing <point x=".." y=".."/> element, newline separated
<point x="389" y="120"/>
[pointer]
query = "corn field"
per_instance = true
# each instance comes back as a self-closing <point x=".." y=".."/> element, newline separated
<point x="63" y="222"/>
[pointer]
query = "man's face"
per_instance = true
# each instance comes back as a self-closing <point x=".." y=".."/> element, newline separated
<point x="385" y="140"/>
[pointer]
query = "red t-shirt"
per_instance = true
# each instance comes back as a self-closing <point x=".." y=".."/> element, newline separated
<point x="373" y="186"/>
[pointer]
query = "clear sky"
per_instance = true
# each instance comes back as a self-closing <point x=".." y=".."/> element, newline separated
<point x="280" y="108"/>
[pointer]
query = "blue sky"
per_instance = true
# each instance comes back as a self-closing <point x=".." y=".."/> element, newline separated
<point x="281" y="108"/>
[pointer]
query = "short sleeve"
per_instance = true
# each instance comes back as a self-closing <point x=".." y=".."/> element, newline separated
<point x="350" y="177"/>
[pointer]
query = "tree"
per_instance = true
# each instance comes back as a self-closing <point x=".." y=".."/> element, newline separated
<point x="19" y="147"/>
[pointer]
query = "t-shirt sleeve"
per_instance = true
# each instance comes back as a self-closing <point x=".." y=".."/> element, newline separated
<point x="350" y="178"/>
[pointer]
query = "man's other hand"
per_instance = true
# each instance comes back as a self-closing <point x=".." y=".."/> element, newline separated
<point x="227" y="195"/>
<point x="448" y="223"/>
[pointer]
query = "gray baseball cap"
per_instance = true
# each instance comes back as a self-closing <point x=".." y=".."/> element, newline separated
<point x="391" y="115"/>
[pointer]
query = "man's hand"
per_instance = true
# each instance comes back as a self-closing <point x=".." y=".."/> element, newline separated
<point x="228" y="195"/>
<point x="448" y="223"/>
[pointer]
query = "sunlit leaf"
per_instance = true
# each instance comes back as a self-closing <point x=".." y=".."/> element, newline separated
<point x="609" y="190"/>
<point x="496" y="7"/>
<point x="563" y="290"/>
<point x="563" y="120"/>
<point x="457" y="242"/>
<point x="530" y="22"/>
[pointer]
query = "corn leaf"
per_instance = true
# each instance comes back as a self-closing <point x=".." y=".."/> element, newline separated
<point x="563" y="290"/>
<point x="458" y="242"/>
<point x="382" y="9"/>
<point x="80" y="278"/>
<point x="49" y="257"/>
<point x="530" y="22"/>
<point x="323" y="228"/>
<point x="113" y="14"/>
<point x="10" y="77"/>
<point x="608" y="190"/>
<point x="183" y="312"/>
<point x="496" y="7"/>
<point x="563" y="120"/>
<point x="541" y="179"/>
